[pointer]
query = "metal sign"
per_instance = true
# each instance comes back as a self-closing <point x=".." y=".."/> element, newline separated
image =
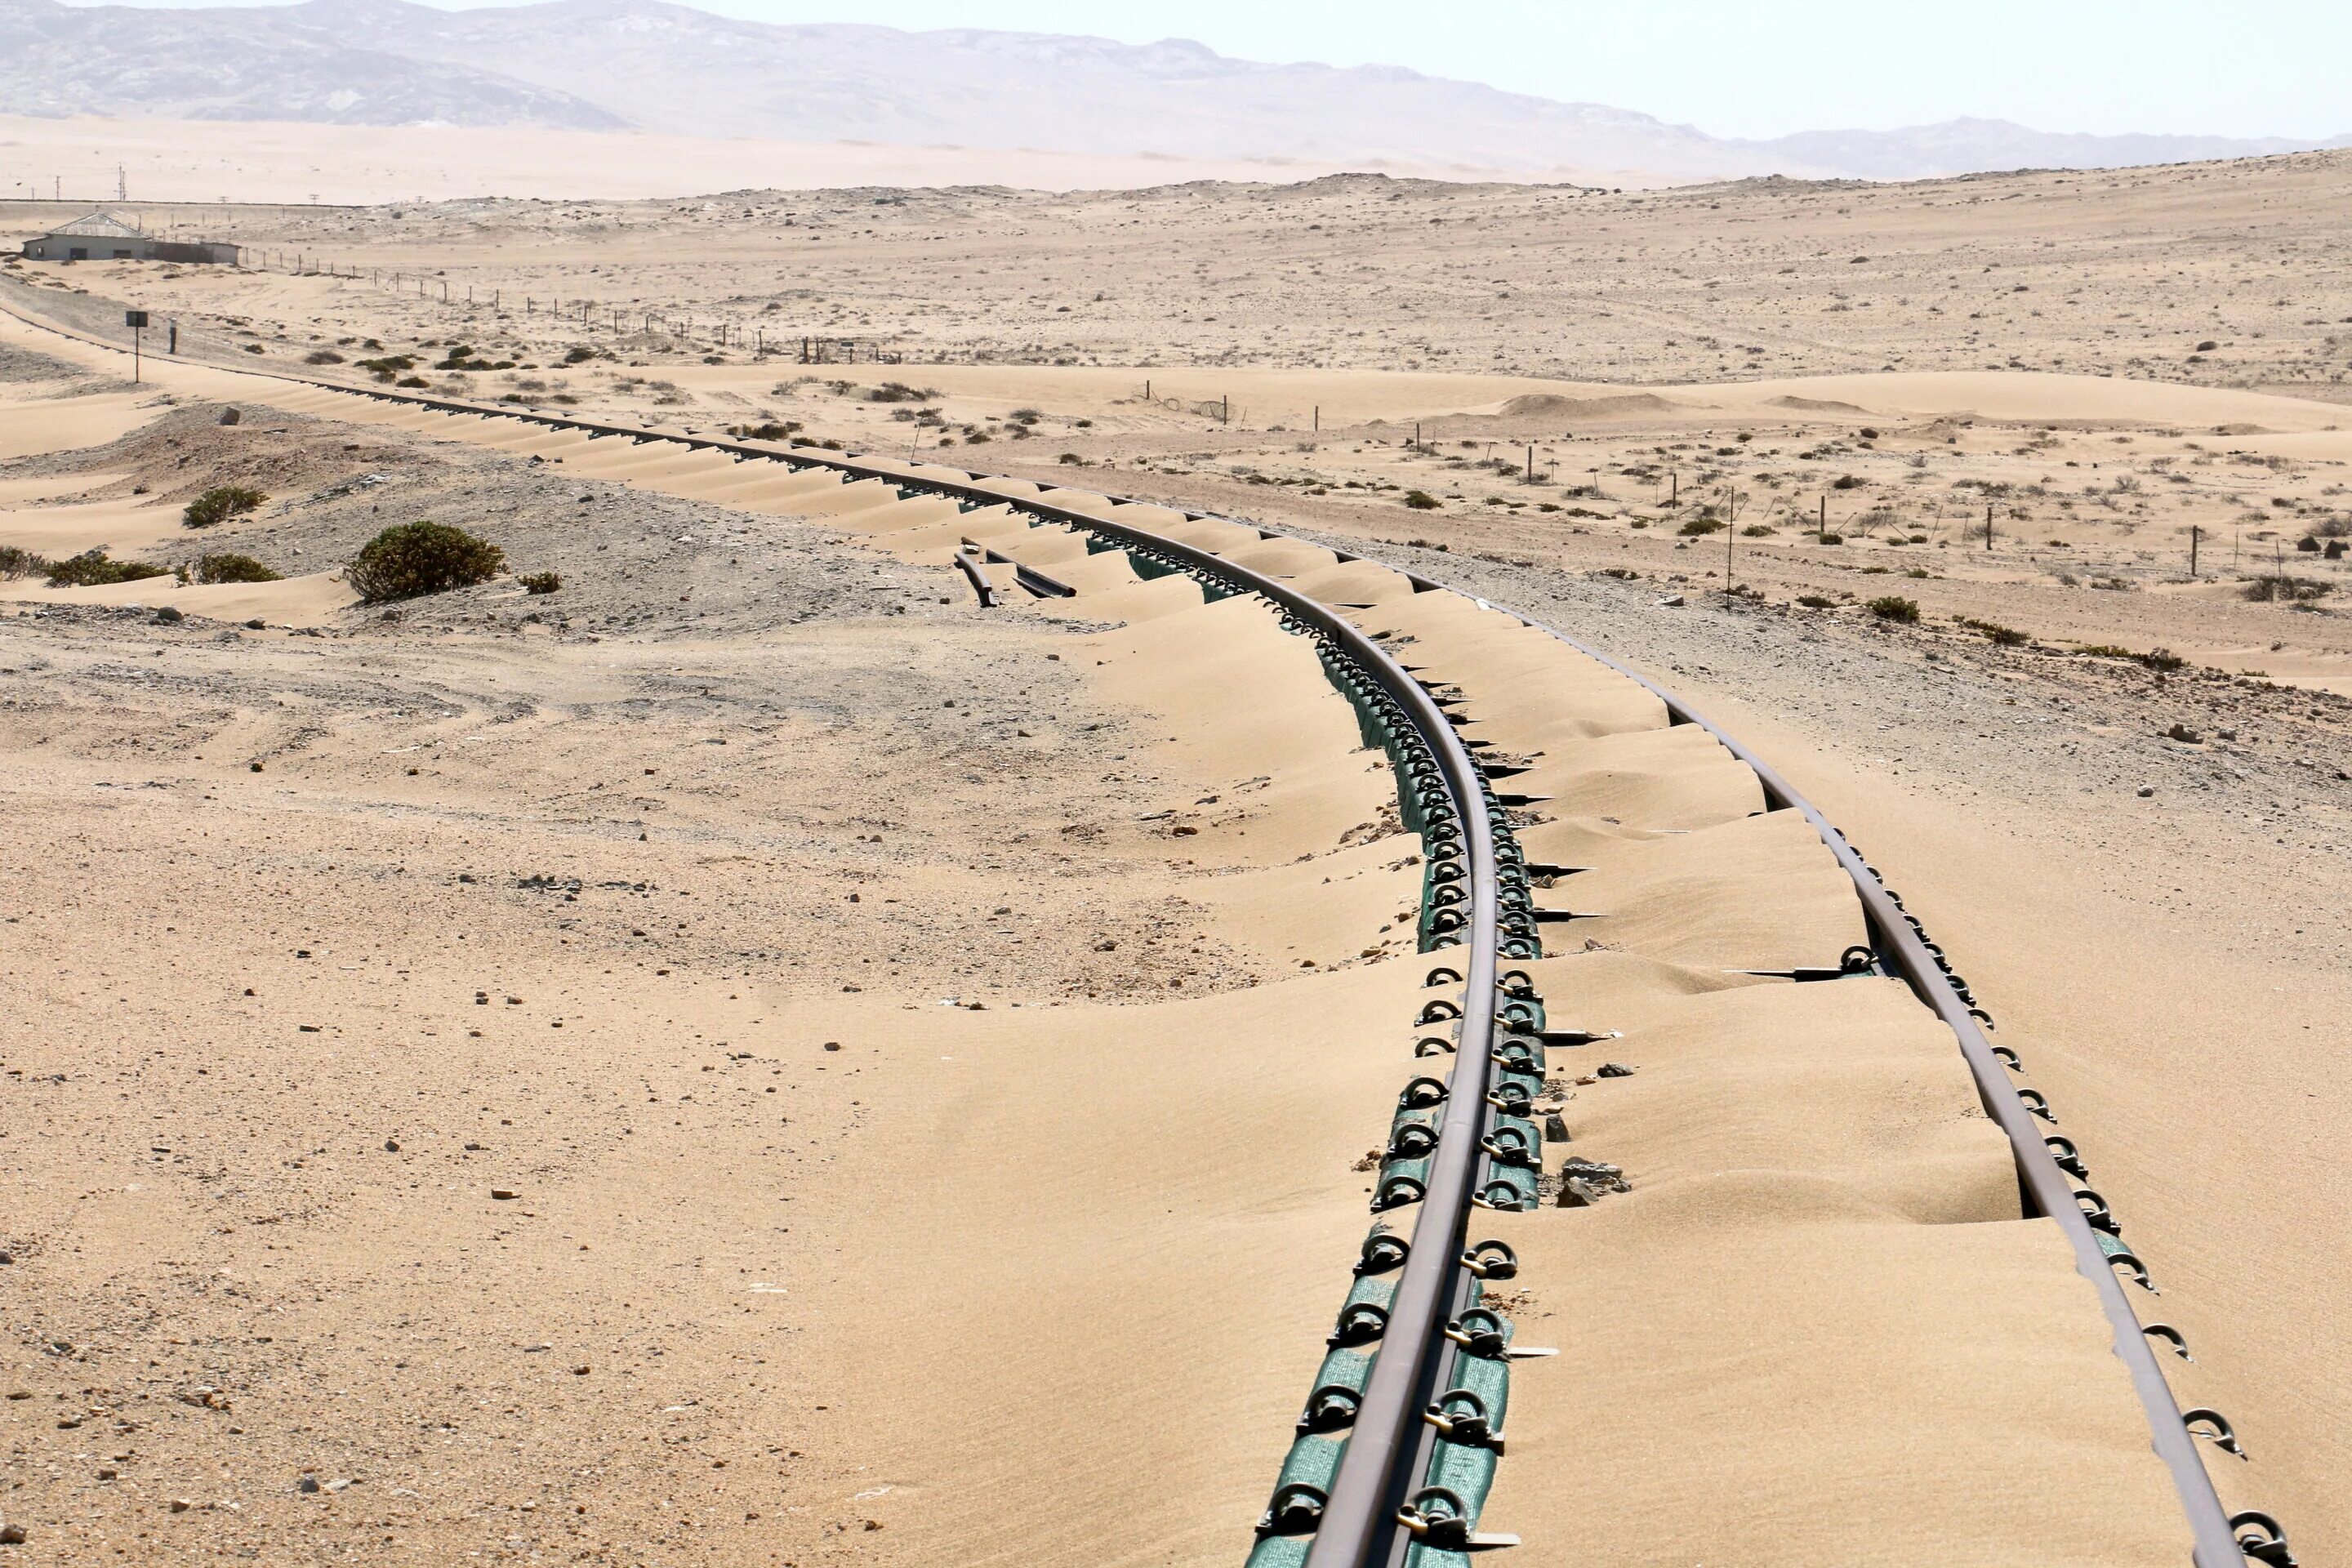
<point x="134" y="318"/>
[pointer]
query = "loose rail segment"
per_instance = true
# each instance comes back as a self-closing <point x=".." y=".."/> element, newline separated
<point x="1389" y="1446"/>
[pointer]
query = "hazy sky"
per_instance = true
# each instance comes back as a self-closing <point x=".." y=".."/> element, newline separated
<point x="2278" y="67"/>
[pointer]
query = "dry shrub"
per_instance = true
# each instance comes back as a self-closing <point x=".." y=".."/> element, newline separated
<point x="414" y="558"/>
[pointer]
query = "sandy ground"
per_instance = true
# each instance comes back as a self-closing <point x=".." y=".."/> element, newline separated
<point x="2135" y="945"/>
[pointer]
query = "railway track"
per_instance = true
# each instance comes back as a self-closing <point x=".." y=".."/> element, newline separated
<point x="1483" y="714"/>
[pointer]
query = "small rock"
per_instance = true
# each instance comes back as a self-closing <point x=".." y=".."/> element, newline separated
<point x="833" y="1045"/>
<point x="255" y="767"/>
<point x="307" y="1485"/>
<point x="230" y="416"/>
<point x="6" y="1258"/>
<point x="1615" y="1069"/>
<point x="1556" y="1129"/>
<point x="169" y="616"/>
<point x="1106" y="945"/>
<point x="256" y="624"/>
<point x="181" y="1505"/>
<point x="1671" y="601"/>
<point x="2146" y="791"/>
<point x="109" y="1473"/>
<point x="11" y="1535"/>
<point x="502" y="1193"/>
<point x="2182" y="732"/>
<point x="392" y="1145"/>
<point x="336" y="1485"/>
<point x="580" y="1371"/>
<point x="1577" y="1195"/>
<point x="2227" y="734"/>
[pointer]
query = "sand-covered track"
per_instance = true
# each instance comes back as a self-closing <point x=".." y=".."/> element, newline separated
<point x="1153" y="533"/>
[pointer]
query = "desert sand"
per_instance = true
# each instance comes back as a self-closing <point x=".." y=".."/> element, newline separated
<point x="1126" y="991"/>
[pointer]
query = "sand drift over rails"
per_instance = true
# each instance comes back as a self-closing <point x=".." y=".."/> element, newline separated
<point x="1624" y="938"/>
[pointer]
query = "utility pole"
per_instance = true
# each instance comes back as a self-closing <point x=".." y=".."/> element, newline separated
<point x="1822" y="532"/>
<point x="1729" y="534"/>
<point x="2193" y="531"/>
<point x="1988" y="528"/>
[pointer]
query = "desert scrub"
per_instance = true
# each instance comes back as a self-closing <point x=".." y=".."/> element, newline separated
<point x="91" y="569"/>
<point x="227" y="567"/>
<point x="18" y="563"/>
<point x="1893" y="609"/>
<point x="1815" y="602"/>
<point x="220" y="504"/>
<point x="414" y="558"/>
<point x="2162" y="660"/>
<point x="2283" y="590"/>
<point x="766" y="430"/>
<point x="1421" y="501"/>
<point x="540" y="581"/>
<point x="2004" y="637"/>
<point x="1698" y="526"/>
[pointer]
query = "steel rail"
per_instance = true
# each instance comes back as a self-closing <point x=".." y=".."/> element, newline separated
<point x="2043" y="1185"/>
<point x="1360" y="1514"/>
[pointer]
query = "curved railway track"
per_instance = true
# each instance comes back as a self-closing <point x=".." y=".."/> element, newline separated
<point x="1398" y="1445"/>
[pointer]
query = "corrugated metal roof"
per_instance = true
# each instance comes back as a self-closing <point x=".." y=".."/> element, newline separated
<point x="99" y="226"/>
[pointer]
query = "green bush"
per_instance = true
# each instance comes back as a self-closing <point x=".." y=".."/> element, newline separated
<point x="1815" y="602"/>
<point x="414" y="558"/>
<point x="220" y="504"/>
<point x="230" y="568"/>
<point x="1891" y="608"/>
<point x="1421" y="501"/>
<point x="17" y="562"/>
<point x="1697" y="526"/>
<point x="91" y="569"/>
<point x="542" y="582"/>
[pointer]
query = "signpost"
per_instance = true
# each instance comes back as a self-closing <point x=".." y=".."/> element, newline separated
<point x="137" y="321"/>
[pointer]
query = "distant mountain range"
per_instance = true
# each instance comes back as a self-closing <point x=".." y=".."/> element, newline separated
<point x="609" y="64"/>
